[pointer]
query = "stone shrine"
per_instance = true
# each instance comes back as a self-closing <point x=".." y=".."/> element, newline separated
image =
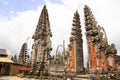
<point x="42" y="45"/>
<point x="75" y="62"/>
<point x="100" y="53"/>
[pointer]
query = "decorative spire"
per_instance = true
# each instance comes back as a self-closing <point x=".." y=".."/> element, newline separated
<point x="23" y="54"/>
<point x="76" y="45"/>
<point x="43" y="27"/>
<point x="76" y="31"/>
<point x="90" y="22"/>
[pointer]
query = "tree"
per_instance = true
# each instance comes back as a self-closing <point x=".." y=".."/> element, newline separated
<point x="12" y="58"/>
<point x="15" y="58"/>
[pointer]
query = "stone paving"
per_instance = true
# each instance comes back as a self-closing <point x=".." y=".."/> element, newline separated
<point x="19" y="78"/>
<point x="25" y="78"/>
<point x="14" y="78"/>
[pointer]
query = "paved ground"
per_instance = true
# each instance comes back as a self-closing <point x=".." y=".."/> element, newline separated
<point x="19" y="78"/>
<point x="14" y="78"/>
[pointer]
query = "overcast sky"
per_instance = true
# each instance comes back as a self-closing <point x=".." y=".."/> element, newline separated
<point x="18" y="20"/>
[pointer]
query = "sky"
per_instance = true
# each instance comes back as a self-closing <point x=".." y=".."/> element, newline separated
<point x="19" y="18"/>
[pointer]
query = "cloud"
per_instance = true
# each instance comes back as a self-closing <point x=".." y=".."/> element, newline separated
<point x="73" y="4"/>
<point x="11" y="12"/>
<point x="15" y="30"/>
<point x="33" y="0"/>
<point x="5" y="2"/>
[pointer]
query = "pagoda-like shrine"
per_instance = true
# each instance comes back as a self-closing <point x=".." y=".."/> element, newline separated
<point x="100" y="53"/>
<point x="75" y="56"/>
<point x="23" y="56"/>
<point x="42" y="45"/>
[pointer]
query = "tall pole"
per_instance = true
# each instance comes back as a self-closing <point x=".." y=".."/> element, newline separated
<point x="27" y="47"/>
<point x="63" y="50"/>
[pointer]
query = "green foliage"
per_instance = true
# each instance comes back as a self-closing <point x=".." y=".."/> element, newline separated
<point x="14" y="58"/>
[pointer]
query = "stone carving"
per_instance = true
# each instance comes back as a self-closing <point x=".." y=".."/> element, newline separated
<point x="23" y="56"/>
<point x="42" y="45"/>
<point x="98" y="48"/>
<point x="75" y="56"/>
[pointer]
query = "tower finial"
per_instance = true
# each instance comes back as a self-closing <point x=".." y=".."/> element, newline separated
<point x="44" y="6"/>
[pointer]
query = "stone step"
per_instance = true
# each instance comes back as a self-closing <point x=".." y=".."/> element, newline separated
<point x="83" y="76"/>
<point x="81" y="79"/>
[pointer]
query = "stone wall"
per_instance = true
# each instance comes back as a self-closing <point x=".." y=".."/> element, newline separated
<point x="56" y="69"/>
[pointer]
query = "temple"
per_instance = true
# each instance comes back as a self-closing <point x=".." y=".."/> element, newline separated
<point x="70" y="63"/>
<point x="42" y="44"/>
<point x="75" y="56"/>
